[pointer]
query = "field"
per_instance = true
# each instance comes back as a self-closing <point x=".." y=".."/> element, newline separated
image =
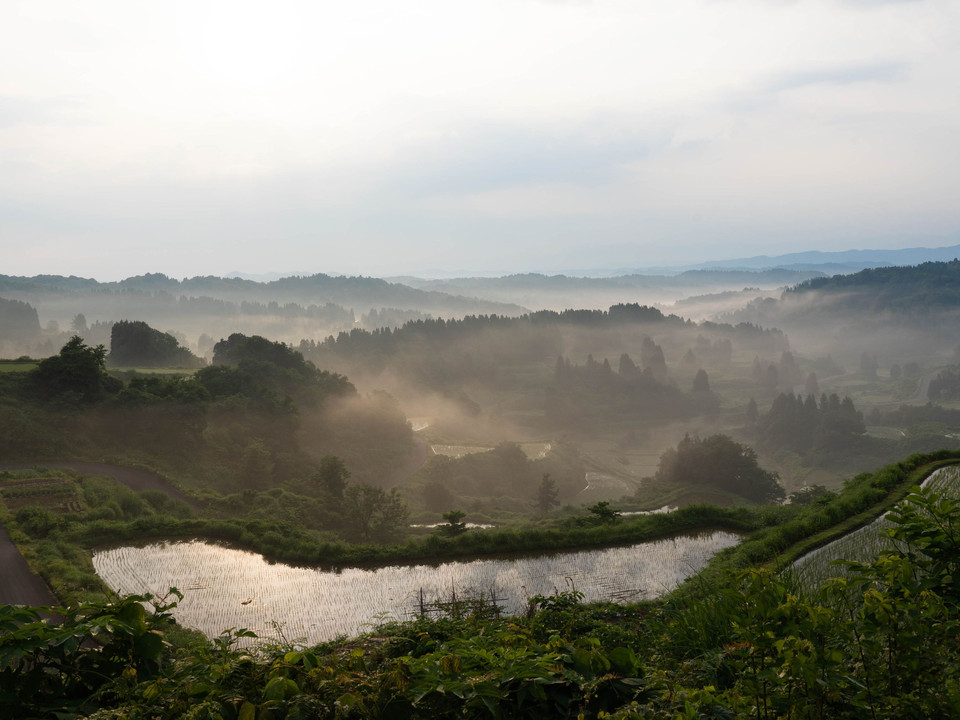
<point x="17" y="365"/>
<point x="56" y="495"/>
<point x="226" y="588"/>
<point x="866" y="543"/>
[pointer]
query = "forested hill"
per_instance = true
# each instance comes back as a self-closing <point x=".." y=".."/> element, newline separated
<point x="887" y="313"/>
<point x="360" y="293"/>
<point x="892" y="289"/>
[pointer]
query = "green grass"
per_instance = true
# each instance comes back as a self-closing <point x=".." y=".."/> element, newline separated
<point x="885" y="433"/>
<point x="18" y="365"/>
<point x="854" y="522"/>
<point x="126" y="372"/>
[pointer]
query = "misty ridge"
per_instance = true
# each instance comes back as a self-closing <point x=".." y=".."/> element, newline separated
<point x="606" y="375"/>
<point x="282" y="423"/>
<point x="198" y="310"/>
<point x="596" y="396"/>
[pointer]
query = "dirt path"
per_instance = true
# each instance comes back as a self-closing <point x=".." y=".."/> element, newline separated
<point x="18" y="584"/>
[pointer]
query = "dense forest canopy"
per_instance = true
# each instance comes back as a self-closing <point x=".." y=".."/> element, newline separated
<point x="718" y="461"/>
<point x="903" y="289"/>
<point x="18" y="321"/>
<point x="889" y="313"/>
<point x="134" y="343"/>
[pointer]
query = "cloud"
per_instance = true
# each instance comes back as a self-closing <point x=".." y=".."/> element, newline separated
<point x="492" y="131"/>
<point x="479" y="159"/>
<point x="16" y="111"/>
<point x="873" y="4"/>
<point x="843" y="75"/>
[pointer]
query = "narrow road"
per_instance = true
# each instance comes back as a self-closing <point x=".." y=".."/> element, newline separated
<point x="132" y="478"/>
<point x="18" y="584"/>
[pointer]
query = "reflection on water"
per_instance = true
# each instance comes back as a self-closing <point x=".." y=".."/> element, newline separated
<point x="469" y="525"/>
<point x="658" y="511"/>
<point x="225" y="588"/>
<point x="866" y="543"/>
<point x="458" y="451"/>
<point x="420" y="423"/>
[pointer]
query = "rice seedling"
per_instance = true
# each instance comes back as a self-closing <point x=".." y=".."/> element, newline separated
<point x="226" y="588"/>
<point x="458" y="451"/>
<point x="865" y="543"/>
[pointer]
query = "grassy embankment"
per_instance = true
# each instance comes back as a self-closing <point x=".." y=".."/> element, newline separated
<point x="58" y="546"/>
<point x="729" y="644"/>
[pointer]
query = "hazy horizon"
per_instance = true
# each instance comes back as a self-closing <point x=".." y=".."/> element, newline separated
<point x="444" y="139"/>
<point x="853" y="259"/>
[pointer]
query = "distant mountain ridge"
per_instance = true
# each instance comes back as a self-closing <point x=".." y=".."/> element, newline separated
<point x="688" y="278"/>
<point x="558" y="292"/>
<point x="358" y="292"/>
<point x="835" y="263"/>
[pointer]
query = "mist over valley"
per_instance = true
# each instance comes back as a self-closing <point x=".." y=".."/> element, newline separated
<point x="537" y="360"/>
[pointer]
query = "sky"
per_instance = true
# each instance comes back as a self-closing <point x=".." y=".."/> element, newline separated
<point x="456" y="137"/>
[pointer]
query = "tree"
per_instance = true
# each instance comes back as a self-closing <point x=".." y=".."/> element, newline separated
<point x="812" y="385"/>
<point x="79" y="324"/>
<point x="811" y="494"/>
<point x="601" y="514"/>
<point x="273" y="368"/>
<point x="373" y="513"/>
<point x="718" y="461"/>
<point x="652" y="359"/>
<point x="78" y="372"/>
<point x="18" y="320"/>
<point x="547" y="494"/>
<point x="701" y="383"/>
<point x="332" y="476"/>
<point x="453" y="526"/>
<point x="788" y="372"/>
<point x="136" y="343"/>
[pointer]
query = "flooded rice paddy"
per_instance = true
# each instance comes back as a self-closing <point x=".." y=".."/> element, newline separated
<point x="226" y="588"/>
<point x="533" y="450"/>
<point x="864" y="544"/>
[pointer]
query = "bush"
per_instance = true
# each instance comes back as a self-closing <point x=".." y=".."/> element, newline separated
<point x="35" y="521"/>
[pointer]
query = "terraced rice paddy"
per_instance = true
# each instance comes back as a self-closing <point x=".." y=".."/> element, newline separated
<point x="864" y="544"/>
<point x="458" y="451"/>
<point x="225" y="588"/>
<point x="420" y="423"/>
<point x="536" y="451"/>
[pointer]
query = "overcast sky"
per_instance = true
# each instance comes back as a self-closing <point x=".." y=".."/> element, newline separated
<point x="448" y="137"/>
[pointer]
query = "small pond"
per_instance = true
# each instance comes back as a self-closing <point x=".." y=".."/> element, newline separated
<point x="226" y="588"/>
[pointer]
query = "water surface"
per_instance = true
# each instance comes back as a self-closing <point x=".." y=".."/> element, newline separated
<point x="227" y="588"/>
